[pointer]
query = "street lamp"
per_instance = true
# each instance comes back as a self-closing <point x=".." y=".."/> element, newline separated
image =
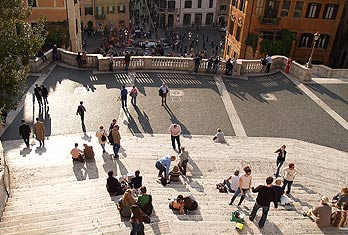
<point x="309" y="63"/>
<point x="190" y="36"/>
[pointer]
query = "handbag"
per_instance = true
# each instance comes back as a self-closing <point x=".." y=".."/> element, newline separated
<point x="146" y="219"/>
<point x="103" y="138"/>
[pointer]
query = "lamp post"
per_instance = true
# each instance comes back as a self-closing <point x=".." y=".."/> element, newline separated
<point x="190" y="36"/>
<point x="126" y="36"/>
<point x="309" y="63"/>
<point x="221" y="50"/>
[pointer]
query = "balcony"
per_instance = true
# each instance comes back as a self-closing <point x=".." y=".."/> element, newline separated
<point x="101" y="16"/>
<point x="269" y="20"/>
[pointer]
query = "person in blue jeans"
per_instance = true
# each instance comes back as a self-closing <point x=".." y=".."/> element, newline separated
<point x="116" y="140"/>
<point x="266" y="195"/>
<point x="163" y="165"/>
<point x="124" y="94"/>
<point x="280" y="159"/>
<point x="244" y="185"/>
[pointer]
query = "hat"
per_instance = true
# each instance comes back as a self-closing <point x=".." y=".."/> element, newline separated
<point x="324" y="200"/>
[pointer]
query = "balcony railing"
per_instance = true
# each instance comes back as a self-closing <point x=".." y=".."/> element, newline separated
<point x="101" y="16"/>
<point x="269" y="20"/>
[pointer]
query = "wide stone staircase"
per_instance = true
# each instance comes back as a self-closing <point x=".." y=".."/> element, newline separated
<point x="52" y="195"/>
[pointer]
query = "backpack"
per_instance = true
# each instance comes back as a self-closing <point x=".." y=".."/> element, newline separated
<point x="163" y="181"/>
<point x="111" y="139"/>
<point x="103" y="138"/>
<point x="221" y="187"/>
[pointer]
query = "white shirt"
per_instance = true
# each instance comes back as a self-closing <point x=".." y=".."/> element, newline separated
<point x="175" y="131"/>
<point x="289" y="174"/>
<point x="220" y="137"/>
<point x="245" y="181"/>
<point x="234" y="182"/>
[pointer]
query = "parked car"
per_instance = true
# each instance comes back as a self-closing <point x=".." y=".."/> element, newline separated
<point x="223" y="29"/>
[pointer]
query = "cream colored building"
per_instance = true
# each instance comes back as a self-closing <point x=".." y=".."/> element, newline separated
<point x="105" y="14"/>
<point x="59" y="10"/>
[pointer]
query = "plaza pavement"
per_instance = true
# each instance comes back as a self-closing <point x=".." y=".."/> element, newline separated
<point x="51" y="195"/>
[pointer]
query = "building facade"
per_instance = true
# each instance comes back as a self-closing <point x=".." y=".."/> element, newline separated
<point x="179" y="13"/>
<point x="264" y="19"/>
<point x="339" y="53"/>
<point x="105" y="14"/>
<point x="58" y="11"/>
<point x="222" y="10"/>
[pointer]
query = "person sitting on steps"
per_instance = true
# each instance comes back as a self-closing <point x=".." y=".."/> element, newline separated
<point x="113" y="185"/>
<point x="77" y="154"/>
<point x="145" y="201"/>
<point x="125" y="202"/>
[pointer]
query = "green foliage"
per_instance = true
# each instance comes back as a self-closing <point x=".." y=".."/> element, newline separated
<point x="252" y="41"/>
<point x="58" y="34"/>
<point x="19" y="42"/>
<point x="278" y="47"/>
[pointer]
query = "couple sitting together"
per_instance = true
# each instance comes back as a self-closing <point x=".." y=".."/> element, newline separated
<point x="79" y="155"/>
<point x="183" y="204"/>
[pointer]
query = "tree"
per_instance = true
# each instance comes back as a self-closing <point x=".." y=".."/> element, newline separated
<point x="19" y="42"/>
<point x="282" y="46"/>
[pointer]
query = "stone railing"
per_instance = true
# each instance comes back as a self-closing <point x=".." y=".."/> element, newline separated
<point x="326" y="72"/>
<point x="243" y="67"/>
<point x="4" y="181"/>
<point x="37" y="64"/>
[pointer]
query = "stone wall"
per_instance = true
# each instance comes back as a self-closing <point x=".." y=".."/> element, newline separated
<point x="326" y="72"/>
<point x="4" y="181"/>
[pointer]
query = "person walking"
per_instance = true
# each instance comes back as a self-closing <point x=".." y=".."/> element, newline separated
<point x="116" y="140"/>
<point x="269" y="63"/>
<point x="102" y="137"/>
<point x="289" y="174"/>
<point x="111" y="63"/>
<point x="280" y="159"/>
<point x="197" y="61"/>
<point x="228" y="66"/>
<point x="44" y="93"/>
<point x="24" y="131"/>
<point x="127" y="59"/>
<point x="112" y="124"/>
<point x="184" y="155"/>
<point x="81" y="111"/>
<point x="175" y="131"/>
<point x="216" y="65"/>
<point x="136" y="220"/>
<point x="266" y="195"/>
<point x="163" y="92"/>
<point x="133" y="94"/>
<point x="123" y="95"/>
<point x="39" y="131"/>
<point x="244" y="185"/>
<point x="37" y="93"/>
<point x="210" y="64"/>
<point x="163" y="165"/>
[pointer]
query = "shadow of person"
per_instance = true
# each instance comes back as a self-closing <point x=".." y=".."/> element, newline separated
<point x="132" y="125"/>
<point x="185" y="132"/>
<point x="123" y="151"/>
<point x="25" y="151"/>
<point x="144" y="121"/>
<point x="108" y="164"/>
<point x="40" y="150"/>
<point x="79" y="170"/>
<point x="92" y="169"/>
<point x="86" y="137"/>
<point x="121" y="166"/>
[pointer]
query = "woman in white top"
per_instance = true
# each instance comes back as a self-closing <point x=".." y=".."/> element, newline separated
<point x="289" y="174"/>
<point x="102" y="137"/>
<point x="244" y="185"/>
<point x="232" y="181"/>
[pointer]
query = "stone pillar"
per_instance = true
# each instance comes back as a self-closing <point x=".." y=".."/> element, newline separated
<point x="292" y="51"/>
<point x="258" y="47"/>
<point x="74" y="21"/>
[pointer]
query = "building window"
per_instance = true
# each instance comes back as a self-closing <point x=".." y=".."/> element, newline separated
<point x="313" y="10"/>
<point x="234" y="3"/>
<point x="223" y="7"/>
<point x="330" y="11"/>
<point x="110" y="9"/>
<point x="76" y="27"/>
<point x="298" y="9"/>
<point x="121" y="24"/>
<point x="209" y="19"/>
<point x="122" y="9"/>
<point x="271" y="9"/>
<point x="285" y="8"/>
<point x="239" y="29"/>
<point x="99" y="10"/>
<point x="188" y="4"/>
<point x="199" y="5"/>
<point x="32" y="3"/>
<point x="231" y="28"/>
<point x="259" y="7"/>
<point x="163" y="4"/>
<point x="242" y="5"/>
<point x="171" y="5"/>
<point x="211" y="3"/>
<point x="88" y="11"/>
<point x="228" y="50"/>
<point x="323" y="41"/>
<point x="187" y="20"/>
<point x="306" y="40"/>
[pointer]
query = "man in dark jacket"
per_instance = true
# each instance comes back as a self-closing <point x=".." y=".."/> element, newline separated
<point x="81" y="111"/>
<point x="113" y="185"/>
<point x="280" y="159"/>
<point x="228" y="66"/>
<point x="124" y="93"/>
<point x="44" y="93"/>
<point x="37" y="93"/>
<point x="24" y="131"/>
<point x="264" y="198"/>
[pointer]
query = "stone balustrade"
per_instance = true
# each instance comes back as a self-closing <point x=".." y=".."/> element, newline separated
<point x="4" y="181"/>
<point x="241" y="68"/>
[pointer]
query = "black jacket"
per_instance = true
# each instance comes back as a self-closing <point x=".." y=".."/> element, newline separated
<point x="24" y="130"/>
